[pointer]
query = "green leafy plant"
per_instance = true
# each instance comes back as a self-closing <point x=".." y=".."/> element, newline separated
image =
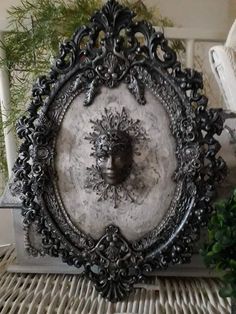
<point x="35" y="29"/>
<point x="220" y="252"/>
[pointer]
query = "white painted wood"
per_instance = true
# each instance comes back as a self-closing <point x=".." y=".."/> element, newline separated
<point x="6" y="230"/>
<point x="197" y="34"/>
<point x="182" y="33"/>
<point x="42" y="265"/>
<point x="10" y="142"/>
<point x="190" y="53"/>
<point x="223" y="64"/>
<point x="231" y="38"/>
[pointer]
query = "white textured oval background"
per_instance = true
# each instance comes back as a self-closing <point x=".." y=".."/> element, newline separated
<point x="154" y="167"/>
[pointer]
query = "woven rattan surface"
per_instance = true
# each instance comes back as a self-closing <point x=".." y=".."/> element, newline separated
<point x="62" y="294"/>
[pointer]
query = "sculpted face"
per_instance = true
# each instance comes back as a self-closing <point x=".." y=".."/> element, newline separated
<point x="114" y="156"/>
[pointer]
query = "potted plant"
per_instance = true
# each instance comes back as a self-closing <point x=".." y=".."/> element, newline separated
<point x="219" y="252"/>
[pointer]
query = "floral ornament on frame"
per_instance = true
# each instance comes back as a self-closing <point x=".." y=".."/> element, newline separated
<point x="115" y="140"/>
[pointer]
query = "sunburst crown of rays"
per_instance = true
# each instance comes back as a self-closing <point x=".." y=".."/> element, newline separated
<point x="113" y="125"/>
<point x="113" y="122"/>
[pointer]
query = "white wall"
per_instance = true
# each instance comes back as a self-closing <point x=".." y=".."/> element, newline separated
<point x="212" y="14"/>
<point x="4" y="6"/>
<point x="232" y="10"/>
<point x="186" y="13"/>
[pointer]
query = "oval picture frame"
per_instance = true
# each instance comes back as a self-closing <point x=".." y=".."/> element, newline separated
<point x="88" y="62"/>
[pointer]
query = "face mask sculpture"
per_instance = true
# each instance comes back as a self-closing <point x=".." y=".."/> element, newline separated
<point x="114" y="156"/>
<point x="115" y="139"/>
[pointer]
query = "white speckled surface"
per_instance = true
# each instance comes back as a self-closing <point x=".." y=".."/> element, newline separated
<point x="150" y="180"/>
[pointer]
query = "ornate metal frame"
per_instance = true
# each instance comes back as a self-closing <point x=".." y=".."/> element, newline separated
<point x="84" y="65"/>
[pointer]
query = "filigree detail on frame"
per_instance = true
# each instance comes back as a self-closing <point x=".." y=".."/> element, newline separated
<point x="121" y="265"/>
<point x="84" y="67"/>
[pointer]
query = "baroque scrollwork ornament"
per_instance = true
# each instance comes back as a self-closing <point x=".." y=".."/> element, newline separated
<point x="84" y="68"/>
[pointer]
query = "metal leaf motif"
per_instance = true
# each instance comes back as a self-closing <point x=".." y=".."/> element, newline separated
<point x="86" y="68"/>
<point x="137" y="88"/>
